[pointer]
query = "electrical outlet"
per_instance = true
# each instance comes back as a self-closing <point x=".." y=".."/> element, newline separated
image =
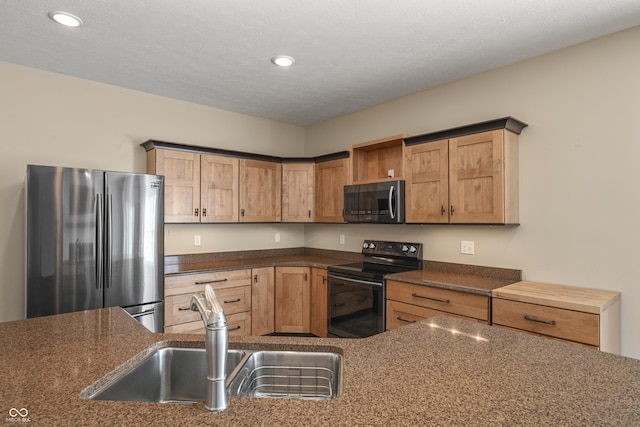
<point x="196" y="240"/>
<point x="467" y="247"/>
<point x="277" y="237"/>
<point x="342" y="239"/>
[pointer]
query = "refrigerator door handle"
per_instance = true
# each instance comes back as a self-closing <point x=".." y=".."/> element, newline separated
<point x="109" y="242"/>
<point x="99" y="241"/>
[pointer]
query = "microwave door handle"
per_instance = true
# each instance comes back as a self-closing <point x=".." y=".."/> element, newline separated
<point x="391" y="212"/>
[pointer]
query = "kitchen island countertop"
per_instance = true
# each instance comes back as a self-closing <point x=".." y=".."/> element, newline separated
<point x="441" y="371"/>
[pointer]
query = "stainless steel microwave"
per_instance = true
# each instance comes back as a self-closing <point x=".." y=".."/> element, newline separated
<point x="379" y="202"/>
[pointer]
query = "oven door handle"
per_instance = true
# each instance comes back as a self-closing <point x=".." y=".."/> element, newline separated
<point x="363" y="282"/>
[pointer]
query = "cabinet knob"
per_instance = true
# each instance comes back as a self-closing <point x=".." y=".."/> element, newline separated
<point x="195" y="212"/>
<point x="442" y="210"/>
<point x="241" y="212"/>
<point x="204" y="211"/>
<point x="452" y="210"/>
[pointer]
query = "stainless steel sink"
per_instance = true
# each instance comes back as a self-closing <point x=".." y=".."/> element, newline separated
<point x="289" y="374"/>
<point x="178" y="375"/>
<point x="168" y="375"/>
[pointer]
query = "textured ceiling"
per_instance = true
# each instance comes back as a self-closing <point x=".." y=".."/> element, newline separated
<point x="350" y="54"/>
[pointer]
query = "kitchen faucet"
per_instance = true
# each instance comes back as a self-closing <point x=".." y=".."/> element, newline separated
<point x="217" y="344"/>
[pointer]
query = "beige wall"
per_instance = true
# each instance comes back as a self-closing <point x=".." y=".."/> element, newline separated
<point x="579" y="172"/>
<point x="579" y="184"/>
<point x="50" y="119"/>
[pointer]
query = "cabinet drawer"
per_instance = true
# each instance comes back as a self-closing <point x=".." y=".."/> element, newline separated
<point x="239" y="324"/>
<point x="177" y="310"/>
<point x="196" y="327"/>
<point x="547" y="337"/>
<point x="192" y="283"/>
<point x="464" y="304"/>
<point x="401" y="314"/>
<point x="555" y="322"/>
<point x="235" y="300"/>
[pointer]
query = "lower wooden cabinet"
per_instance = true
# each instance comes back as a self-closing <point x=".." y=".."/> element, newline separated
<point x="319" y="297"/>
<point x="408" y="303"/>
<point x="232" y="288"/>
<point x="263" y="301"/>
<point x="587" y="317"/>
<point x="292" y="300"/>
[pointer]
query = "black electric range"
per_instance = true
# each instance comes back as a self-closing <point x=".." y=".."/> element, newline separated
<point x="357" y="291"/>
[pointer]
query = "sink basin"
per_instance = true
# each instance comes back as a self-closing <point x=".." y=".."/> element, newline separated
<point x="168" y="375"/>
<point x="179" y="375"/>
<point x="289" y="374"/>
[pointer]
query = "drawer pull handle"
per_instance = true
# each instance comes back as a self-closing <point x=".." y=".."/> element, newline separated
<point x="232" y="301"/>
<point x="444" y="301"/>
<point x="405" y="320"/>
<point x="208" y="282"/>
<point x="340" y="305"/>
<point x="533" y="319"/>
<point x="234" y="329"/>
<point x="184" y="308"/>
<point x="363" y="299"/>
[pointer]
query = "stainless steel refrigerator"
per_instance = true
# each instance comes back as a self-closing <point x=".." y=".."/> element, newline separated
<point x="95" y="239"/>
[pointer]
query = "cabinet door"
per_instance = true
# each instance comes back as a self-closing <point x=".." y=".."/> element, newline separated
<point x="181" y="172"/>
<point x="427" y="182"/>
<point x="292" y="299"/>
<point x="319" y="297"/>
<point x="476" y="178"/>
<point x="297" y="192"/>
<point x="263" y="301"/>
<point x="331" y="177"/>
<point x="260" y="191"/>
<point x="219" y="188"/>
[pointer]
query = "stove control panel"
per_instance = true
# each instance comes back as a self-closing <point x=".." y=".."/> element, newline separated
<point x="395" y="249"/>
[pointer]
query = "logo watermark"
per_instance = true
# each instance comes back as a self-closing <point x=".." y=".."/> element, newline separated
<point x="18" y="415"/>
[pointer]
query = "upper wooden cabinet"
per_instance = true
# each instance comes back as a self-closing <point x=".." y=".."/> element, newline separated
<point x="377" y="160"/>
<point x="469" y="178"/>
<point x="298" y="192"/>
<point x="330" y="178"/>
<point x="427" y="182"/>
<point x="260" y="191"/>
<point x="181" y="172"/>
<point x="198" y="187"/>
<point x="214" y="185"/>
<point x="219" y="188"/>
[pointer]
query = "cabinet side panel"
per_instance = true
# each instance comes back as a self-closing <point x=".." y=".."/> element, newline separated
<point x="511" y="178"/>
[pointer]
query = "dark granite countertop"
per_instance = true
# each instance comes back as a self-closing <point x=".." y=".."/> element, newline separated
<point x="441" y="371"/>
<point x="460" y="277"/>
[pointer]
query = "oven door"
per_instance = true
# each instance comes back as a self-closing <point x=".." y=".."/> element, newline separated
<point x="356" y="307"/>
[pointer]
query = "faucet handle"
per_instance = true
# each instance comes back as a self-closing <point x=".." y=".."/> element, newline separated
<point x="216" y="317"/>
<point x="210" y="309"/>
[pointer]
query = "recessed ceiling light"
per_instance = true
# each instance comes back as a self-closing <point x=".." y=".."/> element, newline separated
<point x="65" y="18"/>
<point x="283" y="60"/>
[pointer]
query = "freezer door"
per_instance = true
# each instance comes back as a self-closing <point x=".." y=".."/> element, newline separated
<point x="63" y="243"/>
<point x="134" y="239"/>
<point x="151" y="316"/>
